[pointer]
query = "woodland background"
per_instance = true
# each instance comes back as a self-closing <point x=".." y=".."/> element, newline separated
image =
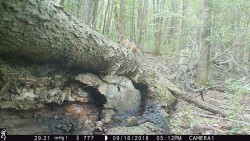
<point x="186" y="30"/>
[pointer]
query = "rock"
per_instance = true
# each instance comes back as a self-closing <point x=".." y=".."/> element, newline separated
<point x="122" y="98"/>
<point x="107" y="115"/>
<point x="121" y="95"/>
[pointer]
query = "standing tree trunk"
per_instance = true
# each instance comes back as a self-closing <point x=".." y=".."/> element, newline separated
<point x="78" y="8"/>
<point x="184" y="12"/>
<point x="96" y="6"/>
<point x="238" y="28"/>
<point x="158" y="20"/>
<point x="142" y="21"/>
<point x="102" y="8"/>
<point x="121" y="24"/>
<point x="173" y="24"/>
<point x="87" y="12"/>
<point x="145" y="22"/>
<point x="109" y="18"/>
<point x="204" y="62"/>
<point x="132" y="27"/>
<point x="72" y="6"/>
<point x="104" y="22"/>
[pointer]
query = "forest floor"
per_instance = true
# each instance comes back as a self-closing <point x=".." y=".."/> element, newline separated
<point x="232" y="97"/>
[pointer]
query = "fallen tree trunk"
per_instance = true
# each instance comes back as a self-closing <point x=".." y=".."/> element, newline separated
<point x="197" y="103"/>
<point x="42" y="31"/>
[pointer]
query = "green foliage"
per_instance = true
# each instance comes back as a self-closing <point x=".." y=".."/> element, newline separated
<point x="229" y="23"/>
<point x="240" y="86"/>
<point x="236" y="129"/>
<point x="67" y="6"/>
<point x="157" y="53"/>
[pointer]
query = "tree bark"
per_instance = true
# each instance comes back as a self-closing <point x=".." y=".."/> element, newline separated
<point x="121" y="24"/>
<point x="87" y="12"/>
<point x="105" y="17"/>
<point x="142" y="22"/>
<point x="184" y="12"/>
<point x="44" y="32"/>
<point x="109" y="18"/>
<point x="78" y="8"/>
<point x="132" y="22"/>
<point x="145" y="22"/>
<point x="173" y="24"/>
<point x="160" y="4"/>
<point x="95" y="11"/>
<point x="204" y="62"/>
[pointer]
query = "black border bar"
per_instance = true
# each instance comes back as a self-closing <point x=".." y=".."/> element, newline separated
<point x="126" y="137"/>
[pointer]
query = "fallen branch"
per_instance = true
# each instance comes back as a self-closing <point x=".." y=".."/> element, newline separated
<point x="200" y="104"/>
<point x="218" y="88"/>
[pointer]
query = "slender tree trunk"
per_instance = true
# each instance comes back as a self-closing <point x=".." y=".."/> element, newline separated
<point x="140" y="21"/>
<point x="143" y="17"/>
<point x="238" y="26"/>
<point x="87" y="12"/>
<point x="159" y="5"/>
<point x="105" y="17"/>
<point x="145" y="22"/>
<point x="132" y="27"/>
<point x="101" y="17"/>
<point x="94" y="20"/>
<point x="72" y="7"/>
<point x="173" y="25"/>
<point x="204" y="62"/>
<point x="184" y="11"/>
<point x="110" y="13"/>
<point x="121" y="23"/>
<point x="78" y="8"/>
<point x="116" y="18"/>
